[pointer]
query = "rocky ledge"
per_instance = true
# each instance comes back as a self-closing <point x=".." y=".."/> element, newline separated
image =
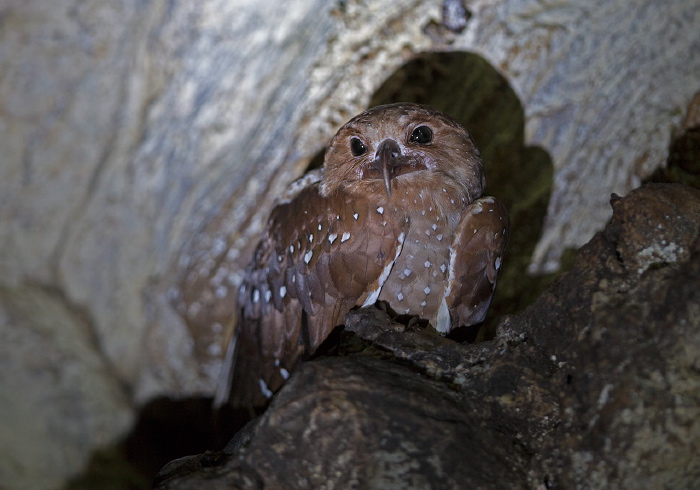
<point x="595" y="385"/>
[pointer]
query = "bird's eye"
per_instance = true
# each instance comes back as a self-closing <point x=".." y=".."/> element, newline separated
<point x="357" y="147"/>
<point x="421" y="135"/>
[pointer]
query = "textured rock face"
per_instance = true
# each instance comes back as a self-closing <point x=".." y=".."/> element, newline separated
<point x="143" y="143"/>
<point x="630" y="410"/>
<point x="596" y="385"/>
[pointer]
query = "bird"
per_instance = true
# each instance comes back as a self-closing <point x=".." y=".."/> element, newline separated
<point x="395" y="214"/>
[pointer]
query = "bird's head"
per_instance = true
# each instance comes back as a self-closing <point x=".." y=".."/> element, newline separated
<point x="402" y="146"/>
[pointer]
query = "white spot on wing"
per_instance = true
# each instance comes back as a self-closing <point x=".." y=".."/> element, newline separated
<point x="372" y="297"/>
<point x="443" y="318"/>
<point x="308" y="255"/>
<point x="399" y="296"/>
<point x="283" y="291"/>
<point x="407" y="272"/>
<point x="264" y="389"/>
<point x="380" y="210"/>
<point x="291" y="249"/>
<point x="451" y="275"/>
<point x="427" y="290"/>
<point x="332" y="237"/>
<point x="355" y="216"/>
<point x="284" y="373"/>
<point x="345" y="237"/>
<point x="311" y="238"/>
<point x="256" y="296"/>
<point x="497" y="264"/>
<point x="427" y="264"/>
<point x="268" y="296"/>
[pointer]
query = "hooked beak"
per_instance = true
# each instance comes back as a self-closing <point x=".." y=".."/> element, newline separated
<point x="386" y="160"/>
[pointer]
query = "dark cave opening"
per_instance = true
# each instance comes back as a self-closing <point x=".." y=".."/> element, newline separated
<point x="165" y="430"/>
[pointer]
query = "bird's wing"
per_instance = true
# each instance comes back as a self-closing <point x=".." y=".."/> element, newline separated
<point x="317" y="259"/>
<point x="477" y="251"/>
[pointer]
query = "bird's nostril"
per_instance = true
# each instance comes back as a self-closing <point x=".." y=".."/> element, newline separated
<point x="388" y="149"/>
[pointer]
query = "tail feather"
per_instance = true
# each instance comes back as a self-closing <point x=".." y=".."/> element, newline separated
<point x="223" y="390"/>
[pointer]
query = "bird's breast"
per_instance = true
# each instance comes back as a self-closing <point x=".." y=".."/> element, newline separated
<point x="419" y="276"/>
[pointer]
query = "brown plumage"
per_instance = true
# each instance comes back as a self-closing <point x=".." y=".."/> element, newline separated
<point x="394" y="215"/>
